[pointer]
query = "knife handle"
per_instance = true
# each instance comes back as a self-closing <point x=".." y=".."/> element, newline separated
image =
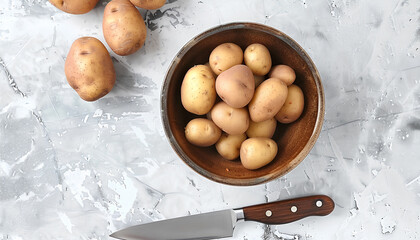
<point x="290" y="210"/>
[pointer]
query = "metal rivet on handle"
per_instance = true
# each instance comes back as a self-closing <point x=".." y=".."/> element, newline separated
<point x="268" y="213"/>
<point x="293" y="209"/>
<point x="318" y="203"/>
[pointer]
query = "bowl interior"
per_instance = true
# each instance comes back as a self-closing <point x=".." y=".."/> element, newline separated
<point x="294" y="140"/>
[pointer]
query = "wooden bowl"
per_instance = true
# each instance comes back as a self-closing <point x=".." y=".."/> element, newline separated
<point x="294" y="140"/>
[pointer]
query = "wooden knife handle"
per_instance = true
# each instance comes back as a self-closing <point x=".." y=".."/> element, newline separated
<point x="290" y="210"/>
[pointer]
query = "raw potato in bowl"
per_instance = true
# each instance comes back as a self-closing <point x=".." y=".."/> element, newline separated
<point x="228" y="146"/>
<point x="258" y="59"/>
<point x="198" y="92"/>
<point x="231" y="120"/>
<point x="202" y="132"/>
<point x="284" y="73"/>
<point x="262" y="129"/>
<point x="293" y="107"/>
<point x="235" y="86"/>
<point x="225" y="56"/>
<point x="257" y="152"/>
<point x="74" y="6"/>
<point x="123" y="26"/>
<point x="268" y="99"/>
<point x="208" y="65"/>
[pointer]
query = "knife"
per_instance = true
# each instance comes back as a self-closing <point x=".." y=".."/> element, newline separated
<point x="221" y="224"/>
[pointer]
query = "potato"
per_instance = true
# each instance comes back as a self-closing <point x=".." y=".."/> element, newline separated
<point x="284" y="73"/>
<point x="258" y="80"/>
<point x="123" y="27"/>
<point x="228" y="145"/>
<point x="262" y="129"/>
<point x="149" y="4"/>
<point x="231" y="120"/>
<point x="89" y="69"/>
<point x="225" y="56"/>
<point x="257" y="152"/>
<point x="268" y="98"/>
<point x="258" y="59"/>
<point x="198" y="92"/>
<point x="236" y="86"/>
<point x="202" y="132"/>
<point x="293" y="107"/>
<point x="208" y="65"/>
<point x="74" y="6"/>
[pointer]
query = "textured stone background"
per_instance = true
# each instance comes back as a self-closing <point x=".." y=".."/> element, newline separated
<point x="70" y="169"/>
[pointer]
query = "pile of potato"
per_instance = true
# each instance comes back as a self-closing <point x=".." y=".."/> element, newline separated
<point x="89" y="69"/>
<point x="253" y="97"/>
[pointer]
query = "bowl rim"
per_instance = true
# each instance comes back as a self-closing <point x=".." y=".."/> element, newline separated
<point x="245" y="181"/>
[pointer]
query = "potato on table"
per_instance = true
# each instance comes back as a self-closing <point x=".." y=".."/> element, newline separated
<point x="268" y="99"/>
<point x="198" y="92"/>
<point x="257" y="152"/>
<point x="202" y="132"/>
<point x="89" y="69"/>
<point x="293" y="107"/>
<point x="228" y="145"/>
<point x="258" y="59"/>
<point x="123" y="26"/>
<point x="225" y="56"/>
<point x="236" y="86"/>
<point x="149" y="4"/>
<point x="74" y="6"/>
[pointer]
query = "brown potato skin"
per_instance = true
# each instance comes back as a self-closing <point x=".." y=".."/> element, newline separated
<point x="198" y="93"/>
<point x="149" y="4"/>
<point x="74" y="6"/>
<point x="293" y="107"/>
<point x="284" y="73"/>
<point x="202" y="132"/>
<point x="257" y="57"/>
<point x="123" y="27"/>
<point x="89" y="69"/>
<point x="262" y="129"/>
<point x="231" y="120"/>
<point x="257" y="152"/>
<point x="268" y="99"/>
<point x="228" y="146"/>
<point x="208" y="65"/>
<point x="236" y="86"/>
<point x="225" y="56"/>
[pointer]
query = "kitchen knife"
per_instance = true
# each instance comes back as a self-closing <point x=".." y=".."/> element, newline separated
<point x="220" y="224"/>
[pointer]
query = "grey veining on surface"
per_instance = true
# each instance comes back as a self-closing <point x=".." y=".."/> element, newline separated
<point x="70" y="169"/>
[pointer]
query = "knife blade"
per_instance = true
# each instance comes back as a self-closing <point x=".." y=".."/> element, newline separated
<point x="221" y="224"/>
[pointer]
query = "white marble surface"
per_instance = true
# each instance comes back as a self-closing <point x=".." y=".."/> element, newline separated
<point x="70" y="169"/>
